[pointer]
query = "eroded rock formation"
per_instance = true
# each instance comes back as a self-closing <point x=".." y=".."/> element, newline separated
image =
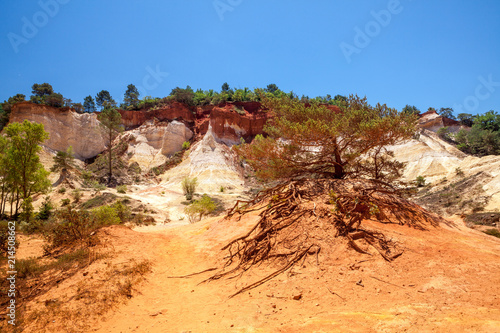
<point x="65" y="127"/>
<point x="150" y="144"/>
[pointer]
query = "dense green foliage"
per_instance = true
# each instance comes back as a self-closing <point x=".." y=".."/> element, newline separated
<point x="89" y="105"/>
<point x="44" y="94"/>
<point x="104" y="99"/>
<point x="483" y="138"/>
<point x="21" y="173"/>
<point x="131" y="98"/>
<point x="314" y="141"/>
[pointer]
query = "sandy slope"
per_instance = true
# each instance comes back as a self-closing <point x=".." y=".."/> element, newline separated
<point x="446" y="281"/>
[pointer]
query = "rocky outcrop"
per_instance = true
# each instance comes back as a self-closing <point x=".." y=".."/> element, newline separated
<point x="172" y="111"/>
<point x="436" y="160"/>
<point x="65" y="127"/>
<point x="150" y="144"/>
<point x="214" y="164"/>
<point x="229" y="125"/>
<point x="432" y="121"/>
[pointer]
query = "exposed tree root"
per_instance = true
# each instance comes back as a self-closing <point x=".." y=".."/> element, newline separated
<point x="300" y="218"/>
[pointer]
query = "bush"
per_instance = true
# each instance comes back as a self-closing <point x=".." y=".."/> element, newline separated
<point x="70" y="226"/>
<point x="105" y="215"/>
<point x="65" y="202"/>
<point x="444" y="133"/>
<point x="77" y="195"/>
<point x="189" y="187"/>
<point x="122" y="211"/>
<point x="186" y="145"/>
<point x="45" y="209"/>
<point x="61" y="190"/>
<point x="199" y="208"/>
<point x="459" y="172"/>
<point x="493" y="232"/>
<point x="420" y="181"/>
<point x="121" y="189"/>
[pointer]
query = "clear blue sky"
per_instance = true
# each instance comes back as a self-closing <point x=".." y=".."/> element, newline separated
<point x="425" y="53"/>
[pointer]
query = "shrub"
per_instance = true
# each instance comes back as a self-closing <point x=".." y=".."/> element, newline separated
<point x="493" y="232"/>
<point x="65" y="202"/>
<point x="122" y="211"/>
<point x="444" y="133"/>
<point x="121" y="189"/>
<point x="459" y="172"/>
<point x="221" y="189"/>
<point x="420" y="181"/>
<point x="105" y="215"/>
<point x="199" y="208"/>
<point x="45" y="209"/>
<point x="189" y="187"/>
<point x="186" y="145"/>
<point x="61" y="190"/>
<point x="77" y="195"/>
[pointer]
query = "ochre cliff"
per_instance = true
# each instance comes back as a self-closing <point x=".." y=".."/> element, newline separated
<point x="65" y="127"/>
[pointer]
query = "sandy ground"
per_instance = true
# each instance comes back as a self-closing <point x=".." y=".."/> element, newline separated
<point x="446" y="281"/>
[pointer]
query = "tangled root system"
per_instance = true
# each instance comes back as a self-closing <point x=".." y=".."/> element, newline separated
<point x="300" y="218"/>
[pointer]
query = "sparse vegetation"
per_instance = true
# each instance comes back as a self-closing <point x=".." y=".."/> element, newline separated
<point x="420" y="181"/>
<point x="121" y="189"/>
<point x="186" y="145"/>
<point x="77" y="195"/>
<point x="61" y="190"/>
<point x="189" y="187"/>
<point x="493" y="232"/>
<point x="200" y="208"/>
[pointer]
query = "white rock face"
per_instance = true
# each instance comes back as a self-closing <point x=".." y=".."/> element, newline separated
<point x="435" y="159"/>
<point x="151" y="143"/>
<point x="213" y="163"/>
<point x="66" y="128"/>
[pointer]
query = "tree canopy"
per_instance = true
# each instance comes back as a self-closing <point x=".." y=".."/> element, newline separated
<point x="104" y="97"/>
<point x="316" y="141"/>
<point x="22" y="175"/>
<point x="131" y="97"/>
<point x="89" y="105"/>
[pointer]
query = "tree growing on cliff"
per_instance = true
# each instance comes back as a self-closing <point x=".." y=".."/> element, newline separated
<point x="131" y="97"/>
<point x="315" y="141"/>
<point x="110" y="120"/>
<point x="447" y="112"/>
<point x="411" y="109"/>
<point x="89" y="105"/>
<point x="104" y="97"/>
<point x="64" y="162"/>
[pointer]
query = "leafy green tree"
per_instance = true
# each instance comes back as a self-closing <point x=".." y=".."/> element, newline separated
<point x="42" y="90"/>
<point x="104" y="97"/>
<point x="311" y="141"/>
<point x="16" y="99"/>
<point x="4" y="117"/>
<point x="23" y="173"/>
<point x="185" y="96"/>
<point x="110" y="120"/>
<point x="89" y="105"/>
<point x="411" y="109"/>
<point x="272" y="88"/>
<point x="54" y="99"/>
<point x="447" y="112"/>
<point x="64" y="162"/>
<point x="131" y="97"/>
<point x="78" y="107"/>
<point x="225" y="87"/>
<point x="488" y="121"/>
<point x="466" y="119"/>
